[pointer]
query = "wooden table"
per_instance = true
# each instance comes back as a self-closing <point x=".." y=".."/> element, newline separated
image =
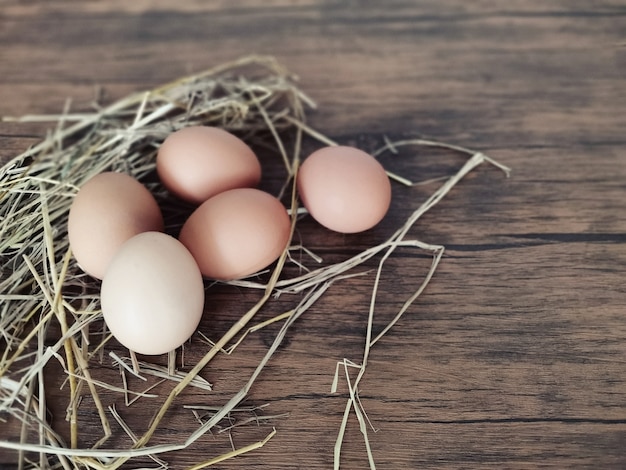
<point x="515" y="355"/>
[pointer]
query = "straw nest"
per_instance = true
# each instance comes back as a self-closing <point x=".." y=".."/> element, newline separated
<point x="42" y="290"/>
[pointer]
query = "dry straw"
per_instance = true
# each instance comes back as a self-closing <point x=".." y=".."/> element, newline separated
<point x="41" y="288"/>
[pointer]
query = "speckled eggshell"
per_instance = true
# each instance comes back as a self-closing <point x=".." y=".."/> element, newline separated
<point x="237" y="233"/>
<point x="344" y="189"/>
<point x="109" y="209"/>
<point x="152" y="294"/>
<point x="198" y="162"/>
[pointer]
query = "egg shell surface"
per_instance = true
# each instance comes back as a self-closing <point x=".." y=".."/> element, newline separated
<point x="344" y="189"/>
<point x="152" y="295"/>
<point x="109" y="209"/>
<point x="237" y="233"/>
<point x="198" y="162"/>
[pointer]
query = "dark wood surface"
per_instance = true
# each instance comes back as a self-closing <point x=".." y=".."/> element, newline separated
<point x="515" y="356"/>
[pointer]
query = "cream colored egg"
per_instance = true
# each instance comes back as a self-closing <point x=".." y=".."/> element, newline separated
<point x="198" y="162"/>
<point x="152" y="294"/>
<point x="109" y="209"/>
<point x="237" y="233"/>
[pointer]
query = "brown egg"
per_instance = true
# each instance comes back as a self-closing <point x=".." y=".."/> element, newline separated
<point x="237" y="233"/>
<point x="109" y="209"/>
<point x="344" y="189"/>
<point x="198" y="162"/>
<point x="152" y="294"/>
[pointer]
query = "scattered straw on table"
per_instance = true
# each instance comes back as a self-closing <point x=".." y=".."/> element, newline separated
<point x="41" y="285"/>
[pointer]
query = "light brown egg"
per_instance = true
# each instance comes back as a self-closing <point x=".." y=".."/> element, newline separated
<point x="198" y="162"/>
<point x="152" y="294"/>
<point x="237" y="233"/>
<point x="109" y="209"/>
<point x="344" y="189"/>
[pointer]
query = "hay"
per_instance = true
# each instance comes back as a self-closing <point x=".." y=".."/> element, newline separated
<point x="41" y="286"/>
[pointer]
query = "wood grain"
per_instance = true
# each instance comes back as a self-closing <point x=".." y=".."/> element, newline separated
<point x="515" y="356"/>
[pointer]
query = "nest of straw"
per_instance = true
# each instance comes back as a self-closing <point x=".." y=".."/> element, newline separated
<point x="42" y="289"/>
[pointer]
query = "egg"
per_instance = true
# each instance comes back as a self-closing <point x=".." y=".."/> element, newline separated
<point x="109" y="209"/>
<point x="237" y="233"/>
<point x="152" y="294"/>
<point x="197" y="162"/>
<point x="344" y="189"/>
